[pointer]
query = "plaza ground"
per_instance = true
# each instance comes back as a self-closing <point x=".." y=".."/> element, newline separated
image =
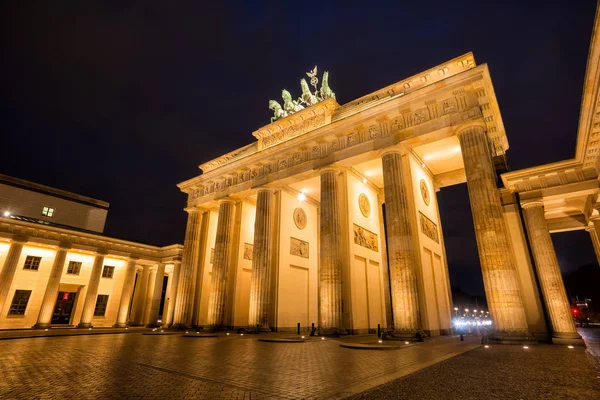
<point x="136" y="366"/>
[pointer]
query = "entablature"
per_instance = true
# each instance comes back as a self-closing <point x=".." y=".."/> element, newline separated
<point x="442" y="106"/>
<point x="10" y="229"/>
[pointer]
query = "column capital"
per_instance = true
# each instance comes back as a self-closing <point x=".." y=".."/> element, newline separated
<point x="397" y="149"/>
<point x="525" y="204"/>
<point x="132" y="258"/>
<point x="590" y="228"/>
<point x="226" y="200"/>
<point x="471" y="127"/>
<point x="191" y="210"/>
<point x="101" y="252"/>
<point x="268" y="189"/>
<point x="19" y="239"/>
<point x="331" y="168"/>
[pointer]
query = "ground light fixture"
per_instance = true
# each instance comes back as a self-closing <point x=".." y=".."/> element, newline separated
<point x="525" y="347"/>
<point x="486" y="346"/>
<point x="571" y="347"/>
<point x="406" y="342"/>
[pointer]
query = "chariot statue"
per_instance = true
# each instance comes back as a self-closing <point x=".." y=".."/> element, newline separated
<point x="307" y="99"/>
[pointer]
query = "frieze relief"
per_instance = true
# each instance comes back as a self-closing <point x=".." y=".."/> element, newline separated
<point x="298" y="247"/>
<point x="365" y="238"/>
<point x="429" y="228"/>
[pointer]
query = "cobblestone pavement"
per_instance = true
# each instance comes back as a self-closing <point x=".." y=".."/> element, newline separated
<point x="592" y="339"/>
<point x="136" y="366"/>
<point x="501" y="372"/>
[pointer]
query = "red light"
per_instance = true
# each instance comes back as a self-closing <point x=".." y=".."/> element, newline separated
<point x="575" y="311"/>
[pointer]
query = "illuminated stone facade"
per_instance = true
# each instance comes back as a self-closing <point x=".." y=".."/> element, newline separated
<point x="315" y="185"/>
<point x="54" y="274"/>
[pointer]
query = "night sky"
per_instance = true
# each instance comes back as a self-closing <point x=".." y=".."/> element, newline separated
<point x="121" y="101"/>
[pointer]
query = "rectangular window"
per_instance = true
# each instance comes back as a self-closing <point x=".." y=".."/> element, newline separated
<point x="101" y="303"/>
<point x="48" y="212"/>
<point x="32" y="263"/>
<point x="108" y="271"/>
<point x="19" y="302"/>
<point x="74" y="267"/>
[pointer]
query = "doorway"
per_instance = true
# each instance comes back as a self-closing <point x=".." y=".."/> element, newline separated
<point x="63" y="308"/>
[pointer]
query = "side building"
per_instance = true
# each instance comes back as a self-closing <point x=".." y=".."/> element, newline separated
<point x="58" y="269"/>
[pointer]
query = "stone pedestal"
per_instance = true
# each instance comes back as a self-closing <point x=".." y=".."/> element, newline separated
<point x="140" y="296"/>
<point x="261" y="262"/>
<point x="8" y="270"/>
<point x="401" y="248"/>
<point x="49" y="301"/>
<point x="499" y="272"/>
<point x="549" y="276"/>
<point x="156" y="296"/>
<point x="92" y="292"/>
<point x="221" y="261"/>
<point x="184" y="302"/>
<point x="173" y="293"/>
<point x="330" y="272"/>
<point x="126" y="293"/>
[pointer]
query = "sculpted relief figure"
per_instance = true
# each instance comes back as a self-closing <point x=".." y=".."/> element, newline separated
<point x="278" y="112"/>
<point x="289" y="105"/>
<point x="307" y="98"/>
<point x="326" y="92"/>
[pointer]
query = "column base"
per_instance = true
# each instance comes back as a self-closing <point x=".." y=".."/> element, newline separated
<point x="518" y="338"/>
<point x="404" y="336"/>
<point x="335" y="332"/>
<point x="85" y="325"/>
<point x="180" y="327"/>
<point x="44" y="325"/>
<point x="120" y="326"/>
<point x="568" y="339"/>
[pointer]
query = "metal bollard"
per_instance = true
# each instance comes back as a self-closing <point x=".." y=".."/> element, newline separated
<point x="379" y="331"/>
<point x="298" y="328"/>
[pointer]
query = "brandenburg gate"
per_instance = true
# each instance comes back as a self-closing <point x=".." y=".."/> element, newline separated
<point x="331" y="217"/>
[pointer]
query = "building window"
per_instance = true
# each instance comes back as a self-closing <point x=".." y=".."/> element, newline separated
<point x="74" y="267"/>
<point x="108" y="271"/>
<point x="32" y="263"/>
<point x="19" y="302"/>
<point x="101" y="303"/>
<point x="48" y="212"/>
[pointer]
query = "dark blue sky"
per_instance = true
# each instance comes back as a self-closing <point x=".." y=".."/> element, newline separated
<point x="121" y="100"/>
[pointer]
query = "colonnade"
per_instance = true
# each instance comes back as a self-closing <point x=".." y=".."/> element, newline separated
<point x="145" y="305"/>
<point x="499" y="270"/>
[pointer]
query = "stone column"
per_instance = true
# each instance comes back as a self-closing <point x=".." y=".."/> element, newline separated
<point x="149" y="296"/>
<point x="92" y="292"/>
<point x="184" y="303"/>
<point x="330" y="272"/>
<point x="50" y="296"/>
<point x="548" y="273"/>
<point x="221" y="261"/>
<point x="261" y="262"/>
<point x="156" y="297"/>
<point x="401" y="247"/>
<point x="126" y="293"/>
<point x="173" y="292"/>
<point x="499" y="272"/>
<point x="141" y="289"/>
<point x="8" y="269"/>
<point x="594" y="231"/>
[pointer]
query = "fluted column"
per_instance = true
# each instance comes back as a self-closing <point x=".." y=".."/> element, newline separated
<point x="8" y="270"/>
<point x="140" y="296"/>
<point x="221" y="261"/>
<point x="156" y="297"/>
<point x="400" y="245"/>
<point x="184" y="303"/>
<point x="499" y="272"/>
<point x="92" y="292"/>
<point x="126" y="293"/>
<point x="261" y="262"/>
<point x="149" y="296"/>
<point x="548" y="273"/>
<point x="594" y="231"/>
<point x="173" y="292"/>
<point x="50" y="296"/>
<point x="330" y="273"/>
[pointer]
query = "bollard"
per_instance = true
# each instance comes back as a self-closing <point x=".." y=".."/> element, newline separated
<point x="379" y="331"/>
<point x="298" y="328"/>
<point x="462" y="338"/>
